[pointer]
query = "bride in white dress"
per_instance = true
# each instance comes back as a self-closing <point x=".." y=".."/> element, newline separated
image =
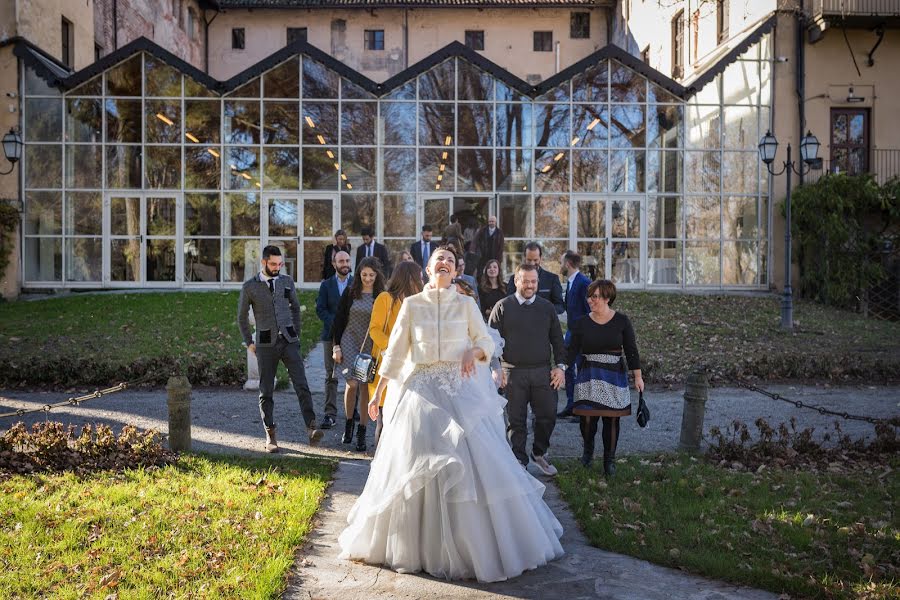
<point x="445" y="493"/>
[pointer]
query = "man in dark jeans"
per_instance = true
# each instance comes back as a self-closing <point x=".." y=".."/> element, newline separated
<point x="530" y="327"/>
<point x="330" y="292"/>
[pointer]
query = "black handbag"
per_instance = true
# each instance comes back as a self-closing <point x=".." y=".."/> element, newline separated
<point x="643" y="413"/>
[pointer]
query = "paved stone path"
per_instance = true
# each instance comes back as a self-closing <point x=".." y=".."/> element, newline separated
<point x="227" y="420"/>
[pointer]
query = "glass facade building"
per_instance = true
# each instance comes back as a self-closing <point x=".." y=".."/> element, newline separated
<point x="141" y="171"/>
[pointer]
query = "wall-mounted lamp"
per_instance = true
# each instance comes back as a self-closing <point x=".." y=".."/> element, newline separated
<point x="12" y="148"/>
<point x="851" y="97"/>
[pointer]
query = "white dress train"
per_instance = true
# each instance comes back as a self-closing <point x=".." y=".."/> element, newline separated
<point x="445" y="494"/>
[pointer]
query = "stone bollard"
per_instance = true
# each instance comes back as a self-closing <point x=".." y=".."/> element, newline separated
<point x="179" y="392"/>
<point x="696" y="393"/>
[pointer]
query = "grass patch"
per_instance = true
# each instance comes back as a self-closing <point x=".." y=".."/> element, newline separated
<point x="97" y="339"/>
<point x="809" y="534"/>
<point x="206" y="527"/>
<point x="740" y="336"/>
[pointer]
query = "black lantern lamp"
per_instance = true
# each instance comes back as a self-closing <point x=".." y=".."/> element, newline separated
<point x="12" y="148"/>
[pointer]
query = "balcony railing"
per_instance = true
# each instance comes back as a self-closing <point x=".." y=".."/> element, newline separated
<point x="883" y="164"/>
<point x="856" y="8"/>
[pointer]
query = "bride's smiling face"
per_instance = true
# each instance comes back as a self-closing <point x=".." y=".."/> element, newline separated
<point x="442" y="267"/>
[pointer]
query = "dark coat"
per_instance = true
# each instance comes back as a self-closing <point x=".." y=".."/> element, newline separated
<point x="380" y="252"/>
<point x="576" y="300"/>
<point x="327" y="303"/>
<point x="327" y="267"/>
<point x="489" y="246"/>
<point x="416" y="251"/>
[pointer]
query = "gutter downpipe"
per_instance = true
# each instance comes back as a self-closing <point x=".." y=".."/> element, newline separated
<point x="405" y="38"/>
<point x="115" y="16"/>
<point x="557" y="57"/>
<point x="801" y="82"/>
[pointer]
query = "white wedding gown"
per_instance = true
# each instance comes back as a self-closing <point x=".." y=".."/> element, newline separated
<point x="445" y="493"/>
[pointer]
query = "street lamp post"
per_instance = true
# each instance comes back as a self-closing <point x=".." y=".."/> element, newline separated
<point x="809" y="150"/>
<point x="12" y="148"/>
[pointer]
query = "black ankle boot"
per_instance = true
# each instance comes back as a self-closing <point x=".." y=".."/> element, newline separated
<point x="348" y="431"/>
<point x="587" y="456"/>
<point x="609" y="466"/>
<point x="361" y="438"/>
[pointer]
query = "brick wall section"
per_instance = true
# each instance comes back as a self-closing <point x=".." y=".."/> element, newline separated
<point x="155" y="20"/>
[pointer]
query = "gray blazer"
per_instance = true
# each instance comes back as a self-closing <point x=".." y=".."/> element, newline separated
<point x="274" y="313"/>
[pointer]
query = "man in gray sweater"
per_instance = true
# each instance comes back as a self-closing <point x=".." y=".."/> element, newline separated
<point x="277" y="313"/>
<point x="529" y="326"/>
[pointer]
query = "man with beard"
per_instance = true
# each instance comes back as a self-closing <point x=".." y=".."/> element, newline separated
<point x="276" y="309"/>
<point x="330" y="292"/>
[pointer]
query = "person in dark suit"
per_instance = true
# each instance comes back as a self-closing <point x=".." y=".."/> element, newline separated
<point x="340" y="243"/>
<point x="370" y="247"/>
<point x="489" y="243"/>
<point x="421" y="250"/>
<point x="576" y="307"/>
<point x="327" y="301"/>
<point x="548" y="284"/>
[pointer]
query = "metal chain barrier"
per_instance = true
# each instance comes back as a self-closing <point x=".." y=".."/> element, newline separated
<point x="77" y="400"/>
<point x="895" y="421"/>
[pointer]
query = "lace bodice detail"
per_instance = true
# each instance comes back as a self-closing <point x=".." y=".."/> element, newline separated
<point x="446" y="375"/>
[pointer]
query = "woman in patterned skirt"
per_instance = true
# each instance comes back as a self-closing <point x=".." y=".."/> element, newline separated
<point x="605" y="339"/>
<point x="350" y="335"/>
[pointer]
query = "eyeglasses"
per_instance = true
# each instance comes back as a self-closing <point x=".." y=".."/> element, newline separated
<point x="595" y="297"/>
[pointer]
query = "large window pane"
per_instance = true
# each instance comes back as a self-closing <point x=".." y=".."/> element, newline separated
<point x="514" y="127"/>
<point x="318" y="80"/>
<point x="242" y="168"/>
<point x="399" y="215"/>
<point x="242" y="214"/>
<point x="437" y="214"/>
<point x="551" y="124"/>
<point x="702" y="217"/>
<point x="125" y="78"/>
<point x="513" y="166"/>
<point x="43" y="166"/>
<point x="664" y="217"/>
<point x="514" y="216"/>
<point x="626" y="86"/>
<point x="161" y="216"/>
<point x="625" y="218"/>
<point x="351" y="91"/>
<point x="664" y="262"/>
<point x="163" y="169"/>
<point x="740" y="172"/>
<point x="551" y="216"/>
<point x="627" y="128"/>
<point x="125" y="260"/>
<point x="251" y="89"/>
<point x="399" y="123"/>
<point x="84" y="259"/>
<point x="591" y="217"/>
<point x="437" y="84"/>
<point x="84" y="214"/>
<point x="43" y="213"/>
<point x="358" y="169"/>
<point x="357" y="211"/>
<point x="552" y="170"/>
<point x="435" y="124"/>
<point x="84" y="120"/>
<point x="702" y="171"/>
<point x="125" y="216"/>
<point x="740" y="218"/>
<point x="664" y="171"/>
<point x="474" y="170"/>
<point x="43" y="259"/>
<point x="283" y="217"/>
<point x="593" y="256"/>
<point x="196" y="90"/>
<point x="740" y="130"/>
<point x="436" y="169"/>
<point x="282" y="168"/>
<point x="589" y="170"/>
<point x="162" y="80"/>
<point x="241" y="124"/>
<point x="317" y="217"/>
<point x="240" y="259"/>
<point x="123" y="167"/>
<point x="407" y="91"/>
<point x="625" y="262"/>
<point x="161" y="259"/>
<point x="43" y="120"/>
<point x="701" y="263"/>
<point x="202" y="168"/>
<point x="201" y="214"/>
<point x="664" y="126"/>
<point x="123" y="121"/>
<point x="84" y="166"/>
<point x="740" y="263"/>
<point x="201" y="124"/>
<point x="358" y="123"/>
<point x="627" y="170"/>
<point x="202" y="260"/>
<point x="703" y="126"/>
<point x="591" y="124"/>
<point x="399" y="169"/>
<point x="473" y="83"/>
<point x="320" y="124"/>
<point x="320" y="169"/>
<point x="313" y="255"/>
<point x="282" y="122"/>
<point x="475" y="125"/>
<point x="283" y="81"/>
<point x="592" y="85"/>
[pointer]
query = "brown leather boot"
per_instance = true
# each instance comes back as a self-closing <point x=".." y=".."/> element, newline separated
<point x="271" y="443"/>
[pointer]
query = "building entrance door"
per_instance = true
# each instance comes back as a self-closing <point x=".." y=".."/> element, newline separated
<point x="609" y="233"/>
<point x="301" y="225"/>
<point x="142" y="240"/>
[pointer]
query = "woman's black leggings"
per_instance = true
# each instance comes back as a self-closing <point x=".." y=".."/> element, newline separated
<point x="610" y="434"/>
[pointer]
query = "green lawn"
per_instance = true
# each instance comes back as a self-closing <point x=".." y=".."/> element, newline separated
<point x="822" y="535"/>
<point x="96" y="339"/>
<point x="207" y="527"/>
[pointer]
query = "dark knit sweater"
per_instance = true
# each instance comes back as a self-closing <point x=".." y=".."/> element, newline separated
<point x="530" y="332"/>
<point x="590" y="338"/>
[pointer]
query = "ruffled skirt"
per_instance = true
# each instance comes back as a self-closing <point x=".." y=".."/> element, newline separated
<point x="445" y="494"/>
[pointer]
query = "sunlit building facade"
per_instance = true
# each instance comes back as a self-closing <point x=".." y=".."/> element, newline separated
<point x="143" y="171"/>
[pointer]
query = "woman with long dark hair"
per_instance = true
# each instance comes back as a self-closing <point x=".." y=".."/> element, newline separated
<point x="491" y="287"/>
<point x="350" y="337"/>
<point x="405" y="281"/>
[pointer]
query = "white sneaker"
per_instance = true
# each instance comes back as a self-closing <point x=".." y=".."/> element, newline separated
<point x="542" y="464"/>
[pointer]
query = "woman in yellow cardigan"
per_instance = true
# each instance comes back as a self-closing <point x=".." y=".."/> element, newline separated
<point x="406" y="280"/>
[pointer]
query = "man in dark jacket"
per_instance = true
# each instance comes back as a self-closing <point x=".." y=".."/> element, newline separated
<point x="548" y="284"/>
<point x="276" y="310"/>
<point x="576" y="307"/>
<point x="421" y="250"/>
<point x="330" y="292"/>
<point x="370" y="247"/>
<point x="489" y="244"/>
<point x="340" y="243"/>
